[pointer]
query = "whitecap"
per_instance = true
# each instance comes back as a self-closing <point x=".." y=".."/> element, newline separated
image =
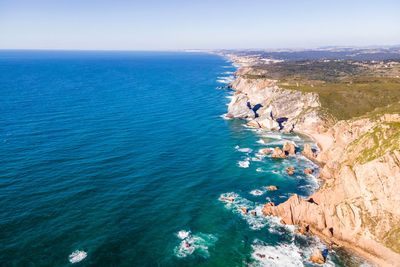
<point x="77" y="256"/>
<point x="279" y="255"/>
<point x="225" y="117"/>
<point x="225" y="80"/>
<point x="273" y="136"/>
<point x="257" y="192"/>
<point x="275" y="226"/>
<point x="194" y="243"/>
<point x="237" y="204"/>
<point x="183" y="234"/>
<point x="244" y="149"/>
<point x="244" y="163"/>
<point x="260" y="141"/>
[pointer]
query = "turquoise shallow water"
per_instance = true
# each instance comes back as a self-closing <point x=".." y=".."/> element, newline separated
<point x="114" y="153"/>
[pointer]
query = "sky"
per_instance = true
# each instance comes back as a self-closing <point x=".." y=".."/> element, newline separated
<point x="205" y="24"/>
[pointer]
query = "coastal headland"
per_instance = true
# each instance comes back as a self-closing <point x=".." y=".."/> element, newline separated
<point x="351" y="109"/>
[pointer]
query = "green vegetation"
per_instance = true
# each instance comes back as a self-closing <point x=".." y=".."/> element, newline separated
<point x="347" y="89"/>
<point x="382" y="139"/>
<point x="392" y="238"/>
<point x="350" y="98"/>
<point x="327" y="71"/>
<point x="390" y="109"/>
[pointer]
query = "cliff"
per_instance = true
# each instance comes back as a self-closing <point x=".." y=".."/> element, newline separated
<point x="357" y="205"/>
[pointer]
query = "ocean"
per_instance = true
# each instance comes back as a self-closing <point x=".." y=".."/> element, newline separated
<point x="121" y="159"/>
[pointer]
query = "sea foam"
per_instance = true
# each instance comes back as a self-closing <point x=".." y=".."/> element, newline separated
<point x="194" y="244"/>
<point x="244" y="163"/>
<point x="77" y="256"/>
<point x="253" y="216"/>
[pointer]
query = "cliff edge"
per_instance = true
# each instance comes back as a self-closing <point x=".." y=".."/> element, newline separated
<point x="357" y="205"/>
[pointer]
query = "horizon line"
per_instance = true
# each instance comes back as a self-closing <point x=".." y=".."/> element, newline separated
<point x="205" y="49"/>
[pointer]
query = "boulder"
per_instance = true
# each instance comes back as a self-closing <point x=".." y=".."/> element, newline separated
<point x="229" y="116"/>
<point x="317" y="257"/>
<point x="303" y="229"/>
<point x="269" y="124"/>
<point x="308" y="171"/>
<point x="290" y="170"/>
<point x="308" y="153"/>
<point x="271" y="188"/>
<point x="289" y="148"/>
<point x="239" y="108"/>
<point x="267" y="209"/>
<point x="265" y="151"/>
<point x="253" y="124"/>
<point x="278" y="153"/>
<point x="244" y="210"/>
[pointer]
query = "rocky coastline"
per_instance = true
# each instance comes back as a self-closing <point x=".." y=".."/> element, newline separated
<point x="356" y="206"/>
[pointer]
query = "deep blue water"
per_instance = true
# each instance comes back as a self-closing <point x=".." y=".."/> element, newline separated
<point x="114" y="153"/>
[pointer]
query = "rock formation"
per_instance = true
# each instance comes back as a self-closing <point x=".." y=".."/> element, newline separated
<point x="277" y="153"/>
<point x="317" y="257"/>
<point x="265" y="151"/>
<point x="274" y="105"/>
<point x="271" y="188"/>
<point x="289" y="148"/>
<point x="290" y="170"/>
<point x="308" y="152"/>
<point x="357" y="203"/>
<point x="308" y="171"/>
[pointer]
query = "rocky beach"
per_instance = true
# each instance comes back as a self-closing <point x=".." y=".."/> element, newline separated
<point x="359" y="158"/>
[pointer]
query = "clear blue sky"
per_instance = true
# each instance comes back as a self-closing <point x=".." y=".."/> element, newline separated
<point x="176" y="24"/>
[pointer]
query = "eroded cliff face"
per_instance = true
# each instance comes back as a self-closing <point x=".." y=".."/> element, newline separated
<point x="358" y="204"/>
<point x="265" y="105"/>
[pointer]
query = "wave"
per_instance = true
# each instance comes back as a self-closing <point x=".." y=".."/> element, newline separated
<point x="243" y="163"/>
<point x="225" y="117"/>
<point x="250" y="212"/>
<point x="225" y="80"/>
<point x="280" y="255"/>
<point x="77" y="256"/>
<point x="257" y="192"/>
<point x="286" y="254"/>
<point x="194" y="244"/>
<point x="244" y="149"/>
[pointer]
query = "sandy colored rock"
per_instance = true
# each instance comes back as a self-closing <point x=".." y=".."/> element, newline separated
<point x="290" y="170"/>
<point x="253" y="124"/>
<point x="289" y="148"/>
<point x="317" y="257"/>
<point x="302" y="229"/>
<point x="243" y="210"/>
<point x="308" y="171"/>
<point x="265" y="151"/>
<point x="358" y="203"/>
<point x="269" y="124"/>
<point x="271" y="188"/>
<point x="307" y="152"/>
<point x="278" y="153"/>
<point x="279" y="103"/>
